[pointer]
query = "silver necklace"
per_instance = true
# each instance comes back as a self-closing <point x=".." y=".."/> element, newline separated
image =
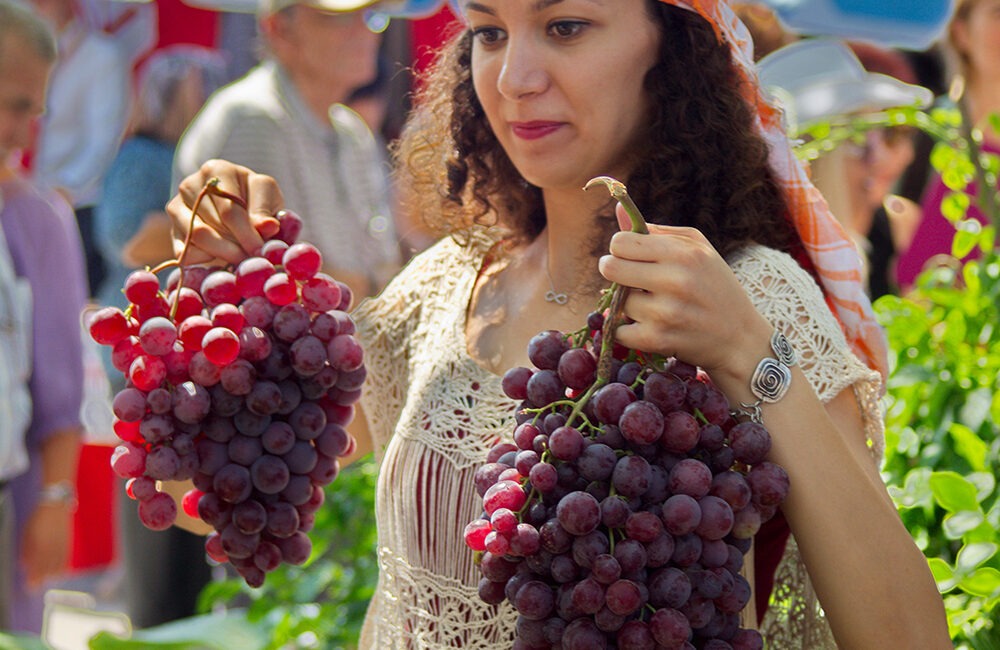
<point x="558" y="297"/>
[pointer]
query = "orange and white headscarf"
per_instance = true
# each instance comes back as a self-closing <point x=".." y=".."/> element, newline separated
<point x="830" y="250"/>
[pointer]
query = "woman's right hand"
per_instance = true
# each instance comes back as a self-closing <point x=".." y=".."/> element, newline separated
<point x="224" y="230"/>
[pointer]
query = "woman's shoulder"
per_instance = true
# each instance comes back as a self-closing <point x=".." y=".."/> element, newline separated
<point x="444" y="268"/>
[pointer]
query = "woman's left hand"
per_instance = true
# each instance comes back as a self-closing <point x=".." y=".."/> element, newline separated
<point x="686" y="301"/>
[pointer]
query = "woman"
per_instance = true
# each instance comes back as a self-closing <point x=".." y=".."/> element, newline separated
<point x="973" y="43"/>
<point x="524" y="107"/>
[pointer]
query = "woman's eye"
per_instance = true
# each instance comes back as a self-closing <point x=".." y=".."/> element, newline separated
<point x="566" y="28"/>
<point x="487" y="35"/>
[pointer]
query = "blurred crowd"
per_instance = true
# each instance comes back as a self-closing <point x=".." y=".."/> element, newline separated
<point x="101" y="115"/>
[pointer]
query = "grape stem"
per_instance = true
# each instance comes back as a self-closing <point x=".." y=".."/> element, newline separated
<point x="210" y="187"/>
<point x="618" y="293"/>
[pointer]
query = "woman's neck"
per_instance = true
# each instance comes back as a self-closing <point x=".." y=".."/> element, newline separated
<point x="572" y="230"/>
<point x="983" y="100"/>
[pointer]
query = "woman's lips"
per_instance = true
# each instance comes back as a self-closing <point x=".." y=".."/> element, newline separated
<point x="534" y="130"/>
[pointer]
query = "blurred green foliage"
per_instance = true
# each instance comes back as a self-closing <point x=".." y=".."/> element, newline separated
<point x="943" y="401"/>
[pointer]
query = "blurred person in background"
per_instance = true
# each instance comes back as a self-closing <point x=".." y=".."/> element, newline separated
<point x="286" y="118"/>
<point x="371" y="102"/>
<point x="42" y="293"/>
<point x="766" y="30"/>
<point x="884" y="166"/>
<point x="824" y="80"/>
<point x="84" y="119"/>
<point x="973" y="47"/>
<point x="164" y="571"/>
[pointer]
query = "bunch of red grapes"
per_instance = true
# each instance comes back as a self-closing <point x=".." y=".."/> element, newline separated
<point x="240" y="380"/>
<point x="620" y="513"/>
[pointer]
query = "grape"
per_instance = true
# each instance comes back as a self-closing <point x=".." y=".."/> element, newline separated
<point x="147" y="372"/>
<point x="546" y="348"/>
<point x="141" y="287"/>
<point x="124" y="353"/>
<point x="280" y="289"/>
<point x="158" y="512"/>
<point x="220" y="345"/>
<point x="140" y="488"/>
<point x="321" y="293"/>
<point x="108" y="326"/>
<point x="641" y="422"/>
<point x="344" y="353"/>
<point x="750" y="442"/>
<point x="219" y="287"/>
<point x="188" y="303"/>
<point x="270" y="474"/>
<point x="128" y="460"/>
<point x="232" y="483"/>
<point x="129" y="404"/>
<point x="251" y="275"/>
<point x="627" y="509"/>
<point x="190" y="402"/>
<point x="566" y="443"/>
<point x="162" y="463"/>
<point x="515" y="383"/>
<point x="302" y="261"/>
<point x="578" y="513"/>
<point x="544" y="387"/>
<point x="228" y="315"/>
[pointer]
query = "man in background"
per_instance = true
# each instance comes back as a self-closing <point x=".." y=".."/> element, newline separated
<point x="42" y="293"/>
<point x="285" y="118"/>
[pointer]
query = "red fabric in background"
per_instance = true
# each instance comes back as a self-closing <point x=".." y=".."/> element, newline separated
<point x="94" y="529"/>
<point x="181" y="23"/>
<point x="428" y="34"/>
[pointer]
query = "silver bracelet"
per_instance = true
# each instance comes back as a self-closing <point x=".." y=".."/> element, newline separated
<point x="62" y="493"/>
<point x="771" y="379"/>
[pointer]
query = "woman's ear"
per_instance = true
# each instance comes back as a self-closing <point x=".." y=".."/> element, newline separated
<point x="958" y="33"/>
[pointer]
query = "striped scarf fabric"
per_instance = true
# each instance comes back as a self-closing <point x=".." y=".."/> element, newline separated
<point x="831" y="251"/>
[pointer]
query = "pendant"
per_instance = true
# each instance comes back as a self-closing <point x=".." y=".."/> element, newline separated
<point x="553" y="296"/>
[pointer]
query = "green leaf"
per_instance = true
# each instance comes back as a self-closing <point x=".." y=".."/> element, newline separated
<point x="209" y="632"/>
<point x="964" y="242"/>
<point x="943" y="574"/>
<point x="983" y="582"/>
<point x="955" y="205"/>
<point x="953" y="492"/>
<point x="985" y="483"/>
<point x="967" y="444"/>
<point x="21" y="642"/>
<point x="971" y="556"/>
<point x="916" y="490"/>
<point x="963" y="522"/>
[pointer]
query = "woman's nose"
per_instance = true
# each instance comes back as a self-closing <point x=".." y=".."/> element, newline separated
<point x="523" y="73"/>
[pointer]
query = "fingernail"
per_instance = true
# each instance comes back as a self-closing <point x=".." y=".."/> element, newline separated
<point x="268" y="228"/>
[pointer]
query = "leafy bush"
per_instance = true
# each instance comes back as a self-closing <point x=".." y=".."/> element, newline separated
<point x="943" y="402"/>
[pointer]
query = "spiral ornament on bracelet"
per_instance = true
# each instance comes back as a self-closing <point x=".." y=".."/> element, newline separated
<point x="770" y="380"/>
<point x="782" y="348"/>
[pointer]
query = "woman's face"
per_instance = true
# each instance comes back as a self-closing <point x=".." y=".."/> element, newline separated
<point x="978" y="37"/>
<point x="561" y="83"/>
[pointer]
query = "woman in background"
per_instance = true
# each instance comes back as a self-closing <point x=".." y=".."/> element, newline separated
<point x="973" y="43"/>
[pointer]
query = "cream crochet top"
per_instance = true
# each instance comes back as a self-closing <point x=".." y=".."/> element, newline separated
<point x="434" y="413"/>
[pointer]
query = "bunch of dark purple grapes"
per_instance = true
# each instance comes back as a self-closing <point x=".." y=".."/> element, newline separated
<point x="240" y="380"/>
<point x="620" y="513"/>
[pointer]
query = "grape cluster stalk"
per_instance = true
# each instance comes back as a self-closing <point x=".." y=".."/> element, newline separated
<point x="620" y="512"/>
<point x="241" y="380"/>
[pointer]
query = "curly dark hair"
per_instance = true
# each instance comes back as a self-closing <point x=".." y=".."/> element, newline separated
<point x="702" y="163"/>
